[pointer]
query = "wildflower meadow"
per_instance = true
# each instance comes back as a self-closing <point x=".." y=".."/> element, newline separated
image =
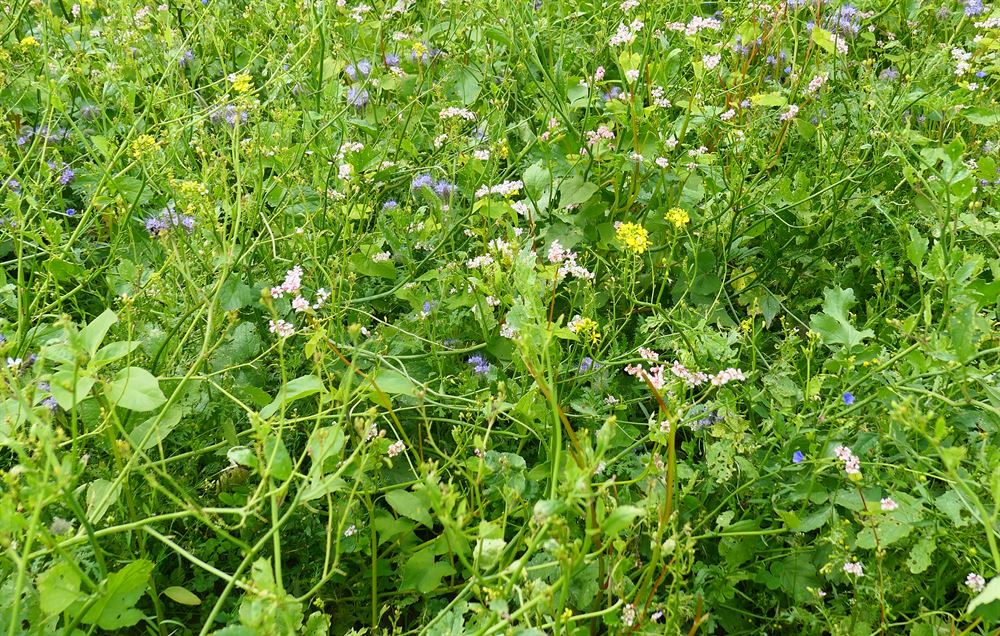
<point x="527" y="318"/>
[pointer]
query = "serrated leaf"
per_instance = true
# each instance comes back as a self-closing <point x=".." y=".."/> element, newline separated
<point x="920" y="555"/>
<point x="834" y="325"/>
<point x="58" y="588"/>
<point x="115" y="608"/>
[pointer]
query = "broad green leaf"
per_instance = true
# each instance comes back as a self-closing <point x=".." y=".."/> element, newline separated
<point x="93" y="334"/>
<point x="235" y="294"/>
<point x="982" y="116"/>
<point x="69" y="388"/>
<point x="422" y="573"/>
<point x="321" y="486"/>
<point x="295" y="390"/>
<point x="58" y="588"/>
<point x="394" y="383"/>
<point x="620" y="518"/>
<point x="576" y="191"/>
<point x="114" y="351"/>
<point x="325" y="443"/>
<point x="101" y="493"/>
<point x="136" y="389"/>
<point x="537" y="180"/>
<point x="410" y="505"/>
<point x="833" y="325"/>
<point x="277" y="457"/>
<point x="154" y="430"/>
<point x="920" y="556"/>
<point x="181" y="595"/>
<point x="115" y="608"/>
<point x="768" y="99"/>
<point x="824" y="39"/>
<point x="916" y="249"/>
<point x="242" y="456"/>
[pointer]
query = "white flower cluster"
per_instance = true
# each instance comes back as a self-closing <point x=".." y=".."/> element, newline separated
<point x="507" y="189"/>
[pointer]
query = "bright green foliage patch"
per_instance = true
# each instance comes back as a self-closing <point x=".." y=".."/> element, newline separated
<point x="538" y="317"/>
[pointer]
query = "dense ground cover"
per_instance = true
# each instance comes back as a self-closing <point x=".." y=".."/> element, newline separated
<point x="470" y="317"/>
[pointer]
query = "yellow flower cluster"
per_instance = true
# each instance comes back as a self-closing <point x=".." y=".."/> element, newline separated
<point x="634" y="237"/>
<point x="28" y="42"/>
<point x="586" y="328"/>
<point x="678" y="217"/>
<point x="144" y="145"/>
<point x="241" y="83"/>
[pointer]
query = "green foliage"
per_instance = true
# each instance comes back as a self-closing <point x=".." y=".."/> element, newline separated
<point x="479" y="318"/>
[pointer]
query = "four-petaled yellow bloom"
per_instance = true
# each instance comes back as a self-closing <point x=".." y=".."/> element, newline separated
<point x="144" y="145"/>
<point x="241" y="83"/>
<point x="586" y="328"/>
<point x="678" y="217"/>
<point x="634" y="237"/>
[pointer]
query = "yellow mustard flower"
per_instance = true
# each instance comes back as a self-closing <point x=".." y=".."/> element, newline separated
<point x="241" y="82"/>
<point x="144" y="145"/>
<point x="586" y="328"/>
<point x="634" y="237"/>
<point x="29" y="41"/>
<point x="678" y="217"/>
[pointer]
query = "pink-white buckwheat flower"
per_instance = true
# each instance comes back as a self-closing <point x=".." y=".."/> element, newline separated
<point x="300" y="304"/>
<point x="852" y="464"/>
<point x="396" y="448"/>
<point x="975" y="582"/>
<point x="280" y="327"/>
<point x="789" y="114"/>
<point x="728" y="375"/>
<point x="888" y="504"/>
<point x="855" y="568"/>
<point x="648" y="354"/>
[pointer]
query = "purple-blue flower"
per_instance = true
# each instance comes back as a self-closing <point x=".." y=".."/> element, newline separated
<point x="443" y="189"/>
<point x="70" y="212"/>
<point x="974" y="8"/>
<point x="391" y="60"/>
<point x="421" y="181"/>
<point x="390" y="205"/>
<point x="67" y="176"/>
<point x="13" y="185"/>
<point x="586" y="364"/>
<point x="479" y="364"/>
<point x="360" y="70"/>
<point x="357" y="97"/>
<point x="798" y="457"/>
<point x="848" y="398"/>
